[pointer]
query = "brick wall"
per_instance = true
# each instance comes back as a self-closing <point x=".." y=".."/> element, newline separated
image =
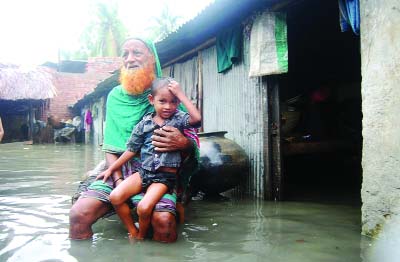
<point x="73" y="86"/>
<point x="103" y="64"/>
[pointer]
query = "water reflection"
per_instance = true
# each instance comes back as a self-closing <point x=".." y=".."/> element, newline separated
<point x="39" y="180"/>
<point x="281" y="231"/>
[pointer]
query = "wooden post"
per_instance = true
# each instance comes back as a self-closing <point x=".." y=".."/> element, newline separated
<point x="267" y="187"/>
<point x="200" y="86"/>
<point x="276" y="165"/>
<point x="31" y="115"/>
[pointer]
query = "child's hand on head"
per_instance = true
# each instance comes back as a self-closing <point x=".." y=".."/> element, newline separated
<point x="175" y="88"/>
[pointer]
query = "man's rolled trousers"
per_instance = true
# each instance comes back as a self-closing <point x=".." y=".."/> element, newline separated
<point x="126" y="105"/>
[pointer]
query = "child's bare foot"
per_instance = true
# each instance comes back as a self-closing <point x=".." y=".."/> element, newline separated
<point x="134" y="239"/>
<point x="131" y="239"/>
<point x="132" y="236"/>
<point x="139" y="238"/>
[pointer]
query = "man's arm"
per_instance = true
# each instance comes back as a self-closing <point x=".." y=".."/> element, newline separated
<point x="110" y="159"/>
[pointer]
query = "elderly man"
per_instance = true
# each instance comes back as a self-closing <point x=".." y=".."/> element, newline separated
<point x="126" y="104"/>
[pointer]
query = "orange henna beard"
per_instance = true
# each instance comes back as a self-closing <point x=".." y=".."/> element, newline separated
<point x="135" y="81"/>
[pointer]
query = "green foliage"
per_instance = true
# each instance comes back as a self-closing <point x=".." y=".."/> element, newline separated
<point x="106" y="32"/>
<point x="103" y="36"/>
<point x="111" y="31"/>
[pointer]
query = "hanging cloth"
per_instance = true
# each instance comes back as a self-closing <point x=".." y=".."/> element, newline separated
<point x="228" y="44"/>
<point x="88" y="120"/>
<point x="349" y="15"/>
<point x="268" y="45"/>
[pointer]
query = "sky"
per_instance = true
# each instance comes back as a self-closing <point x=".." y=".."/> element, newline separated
<point x="32" y="32"/>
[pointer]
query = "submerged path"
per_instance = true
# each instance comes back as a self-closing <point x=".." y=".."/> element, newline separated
<point x="37" y="182"/>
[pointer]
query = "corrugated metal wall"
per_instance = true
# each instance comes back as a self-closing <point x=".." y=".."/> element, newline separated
<point x="186" y="74"/>
<point x="231" y="102"/>
<point x="97" y="109"/>
<point x="97" y="113"/>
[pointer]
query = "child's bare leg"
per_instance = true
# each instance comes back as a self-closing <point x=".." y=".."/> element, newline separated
<point x="127" y="188"/>
<point x="145" y="207"/>
<point x="124" y="213"/>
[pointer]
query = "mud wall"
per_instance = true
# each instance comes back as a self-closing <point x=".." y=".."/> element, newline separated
<point x="380" y="58"/>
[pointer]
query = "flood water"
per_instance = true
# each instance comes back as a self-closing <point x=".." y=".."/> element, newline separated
<point x="37" y="182"/>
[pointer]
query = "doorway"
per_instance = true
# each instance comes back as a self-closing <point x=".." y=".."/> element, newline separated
<point x="320" y="107"/>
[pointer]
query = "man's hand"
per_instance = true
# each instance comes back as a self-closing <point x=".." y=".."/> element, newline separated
<point x="168" y="139"/>
<point x="110" y="159"/>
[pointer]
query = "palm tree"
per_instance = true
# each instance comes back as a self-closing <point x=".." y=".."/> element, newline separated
<point x="104" y="35"/>
<point x="111" y="31"/>
<point x="164" y="24"/>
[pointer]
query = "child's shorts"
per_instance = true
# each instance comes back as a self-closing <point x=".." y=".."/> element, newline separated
<point x="166" y="178"/>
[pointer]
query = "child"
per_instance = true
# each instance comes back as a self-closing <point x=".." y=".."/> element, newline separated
<point x="159" y="170"/>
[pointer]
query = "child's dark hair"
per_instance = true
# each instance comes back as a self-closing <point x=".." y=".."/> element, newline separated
<point x="159" y="83"/>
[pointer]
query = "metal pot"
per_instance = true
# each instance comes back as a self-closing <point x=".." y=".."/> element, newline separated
<point x="223" y="164"/>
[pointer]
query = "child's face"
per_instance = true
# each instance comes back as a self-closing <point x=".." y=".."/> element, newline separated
<point x="164" y="102"/>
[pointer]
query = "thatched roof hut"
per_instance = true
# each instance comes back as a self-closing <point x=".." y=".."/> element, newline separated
<point x="25" y="83"/>
<point x="24" y="99"/>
